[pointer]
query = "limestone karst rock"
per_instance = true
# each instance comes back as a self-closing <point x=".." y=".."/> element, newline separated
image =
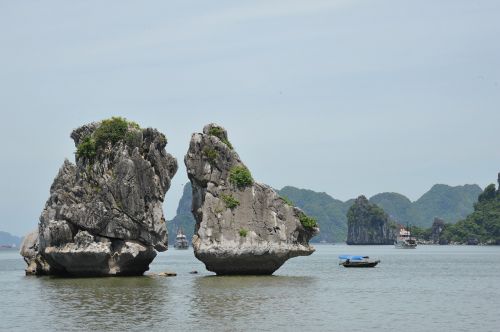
<point x="104" y="215"/>
<point x="368" y="224"/>
<point x="29" y="251"/>
<point x="437" y="228"/>
<point x="242" y="227"/>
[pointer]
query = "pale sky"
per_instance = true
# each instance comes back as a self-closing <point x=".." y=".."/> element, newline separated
<point x="346" y="97"/>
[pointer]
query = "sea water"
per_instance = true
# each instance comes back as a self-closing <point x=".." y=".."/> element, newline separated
<point x="430" y="288"/>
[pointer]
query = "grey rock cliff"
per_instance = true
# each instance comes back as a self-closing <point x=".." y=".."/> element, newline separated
<point x="368" y="224"/>
<point x="31" y="254"/>
<point x="242" y="227"/>
<point x="104" y="215"/>
<point x="437" y="228"/>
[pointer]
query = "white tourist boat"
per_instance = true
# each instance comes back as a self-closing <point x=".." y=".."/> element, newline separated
<point x="181" y="241"/>
<point x="404" y="240"/>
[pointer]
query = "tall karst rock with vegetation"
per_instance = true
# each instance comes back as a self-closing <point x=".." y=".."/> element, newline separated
<point x="369" y="224"/>
<point x="242" y="227"/>
<point x="104" y="215"/>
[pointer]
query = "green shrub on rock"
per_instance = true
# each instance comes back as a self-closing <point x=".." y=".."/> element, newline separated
<point x="307" y="222"/>
<point x="211" y="154"/>
<point x="109" y="131"/>
<point x="87" y="148"/>
<point x="219" y="133"/>
<point x="287" y="201"/>
<point x="243" y="232"/>
<point x="230" y="201"/>
<point x="240" y="176"/>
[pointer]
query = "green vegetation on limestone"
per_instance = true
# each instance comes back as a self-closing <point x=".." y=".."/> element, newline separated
<point x="230" y="201"/>
<point x="287" y="201"/>
<point x="87" y="148"/>
<point x="219" y="132"/>
<point x="243" y="232"/>
<point x="109" y="131"/>
<point x="307" y="221"/>
<point x="240" y="176"/>
<point x="211" y="154"/>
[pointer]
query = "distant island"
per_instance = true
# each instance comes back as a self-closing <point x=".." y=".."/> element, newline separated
<point x="482" y="226"/>
<point x="449" y="203"/>
<point x="369" y="224"/>
<point x="8" y="240"/>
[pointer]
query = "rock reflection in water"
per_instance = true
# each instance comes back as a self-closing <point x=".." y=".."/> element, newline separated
<point x="104" y="303"/>
<point x="229" y="303"/>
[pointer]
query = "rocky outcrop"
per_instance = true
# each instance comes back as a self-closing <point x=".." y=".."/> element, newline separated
<point x="242" y="227"/>
<point x="437" y="228"/>
<point x="368" y="224"/>
<point x="104" y="215"/>
<point x="31" y="254"/>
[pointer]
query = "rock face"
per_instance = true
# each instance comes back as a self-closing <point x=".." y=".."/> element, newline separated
<point x="368" y="224"/>
<point x="104" y="215"/>
<point x="437" y="228"/>
<point x="29" y="251"/>
<point x="242" y="227"/>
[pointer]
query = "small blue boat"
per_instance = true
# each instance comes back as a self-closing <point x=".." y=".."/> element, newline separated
<point x="357" y="261"/>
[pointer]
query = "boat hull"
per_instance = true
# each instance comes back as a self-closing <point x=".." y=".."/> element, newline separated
<point x="360" y="264"/>
<point x="181" y="245"/>
<point x="406" y="247"/>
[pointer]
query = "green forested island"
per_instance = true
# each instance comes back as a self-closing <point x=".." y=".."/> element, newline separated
<point x="368" y="223"/>
<point x="446" y="202"/>
<point x="482" y="226"/>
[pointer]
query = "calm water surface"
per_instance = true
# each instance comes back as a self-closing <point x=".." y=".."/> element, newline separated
<point x="432" y="288"/>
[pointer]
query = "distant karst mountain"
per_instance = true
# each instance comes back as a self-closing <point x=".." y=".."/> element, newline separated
<point x="442" y="201"/>
<point x="445" y="202"/>
<point x="9" y="239"/>
<point x="329" y="212"/>
<point x="448" y="203"/>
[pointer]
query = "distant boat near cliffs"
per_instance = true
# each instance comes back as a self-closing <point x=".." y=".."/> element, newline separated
<point x="404" y="240"/>
<point x="180" y="240"/>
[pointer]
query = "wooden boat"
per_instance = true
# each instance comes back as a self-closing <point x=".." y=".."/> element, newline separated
<point x="357" y="261"/>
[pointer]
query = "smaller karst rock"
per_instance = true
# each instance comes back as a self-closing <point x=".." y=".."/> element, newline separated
<point x="368" y="224"/>
<point x="437" y="228"/>
<point x="242" y="227"/>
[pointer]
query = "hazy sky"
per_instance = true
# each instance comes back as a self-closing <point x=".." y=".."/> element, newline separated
<point x="346" y="97"/>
